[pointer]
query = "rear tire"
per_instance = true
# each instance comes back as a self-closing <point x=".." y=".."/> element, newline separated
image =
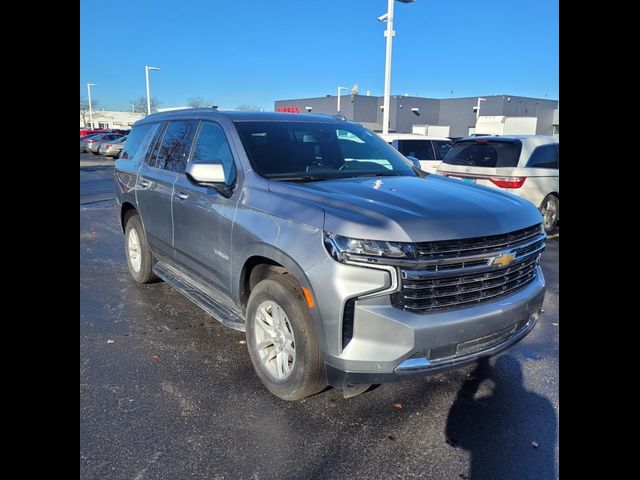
<point x="281" y="340"/>
<point x="140" y="260"/>
<point x="550" y="209"/>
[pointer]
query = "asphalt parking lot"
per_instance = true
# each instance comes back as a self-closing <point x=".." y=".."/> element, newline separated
<point x="167" y="392"/>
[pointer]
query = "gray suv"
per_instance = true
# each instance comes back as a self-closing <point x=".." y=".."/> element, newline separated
<point x="344" y="263"/>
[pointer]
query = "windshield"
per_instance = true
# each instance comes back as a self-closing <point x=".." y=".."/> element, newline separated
<point x="484" y="153"/>
<point x="318" y="151"/>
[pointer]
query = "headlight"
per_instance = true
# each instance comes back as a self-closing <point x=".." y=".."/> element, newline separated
<point x="343" y="249"/>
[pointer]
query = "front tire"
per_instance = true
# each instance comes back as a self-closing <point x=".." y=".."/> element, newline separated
<point x="550" y="209"/>
<point x="139" y="257"/>
<point x="281" y="339"/>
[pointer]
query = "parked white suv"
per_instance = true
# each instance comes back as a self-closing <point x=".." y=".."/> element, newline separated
<point x="525" y="165"/>
<point x="427" y="149"/>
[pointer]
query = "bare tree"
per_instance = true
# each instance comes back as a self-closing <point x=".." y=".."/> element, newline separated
<point x="140" y="104"/>
<point x="84" y="109"/>
<point x="199" y="102"/>
<point x="249" y="108"/>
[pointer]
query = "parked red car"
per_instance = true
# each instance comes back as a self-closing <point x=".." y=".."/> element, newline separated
<point x="87" y="131"/>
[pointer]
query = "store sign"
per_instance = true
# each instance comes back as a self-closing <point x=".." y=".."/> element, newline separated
<point x="288" y="109"/>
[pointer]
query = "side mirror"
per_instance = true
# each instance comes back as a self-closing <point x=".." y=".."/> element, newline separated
<point x="415" y="162"/>
<point x="209" y="174"/>
<point x="205" y="174"/>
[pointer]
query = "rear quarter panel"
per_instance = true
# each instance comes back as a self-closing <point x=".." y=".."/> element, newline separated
<point x="539" y="183"/>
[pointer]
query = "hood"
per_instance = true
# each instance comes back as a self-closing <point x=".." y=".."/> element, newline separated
<point x="411" y="209"/>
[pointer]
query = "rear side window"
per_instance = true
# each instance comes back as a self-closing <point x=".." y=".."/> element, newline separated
<point x="442" y="148"/>
<point x="545" y="156"/>
<point x="420" y="149"/>
<point x="134" y="140"/>
<point x="155" y="145"/>
<point x="212" y="144"/>
<point x="174" y="148"/>
<point x="485" y="154"/>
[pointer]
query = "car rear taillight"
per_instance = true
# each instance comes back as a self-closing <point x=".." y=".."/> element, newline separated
<point x="508" y="182"/>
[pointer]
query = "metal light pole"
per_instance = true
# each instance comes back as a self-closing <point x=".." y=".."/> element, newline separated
<point x="389" y="33"/>
<point x="146" y="72"/>
<point x="339" y="89"/>
<point x="478" y="107"/>
<point x="89" y="85"/>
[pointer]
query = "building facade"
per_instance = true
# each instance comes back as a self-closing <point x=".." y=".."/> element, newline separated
<point x="458" y="114"/>
<point x="104" y="119"/>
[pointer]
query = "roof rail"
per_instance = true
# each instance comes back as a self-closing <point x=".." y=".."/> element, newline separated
<point x="337" y="116"/>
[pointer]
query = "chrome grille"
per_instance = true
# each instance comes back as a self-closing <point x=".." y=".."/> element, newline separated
<point x="478" y="245"/>
<point x="460" y="273"/>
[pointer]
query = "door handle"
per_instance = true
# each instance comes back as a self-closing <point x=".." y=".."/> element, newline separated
<point x="181" y="196"/>
<point x="143" y="183"/>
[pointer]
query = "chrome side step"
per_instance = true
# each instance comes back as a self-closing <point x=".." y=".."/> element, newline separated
<point x="206" y="297"/>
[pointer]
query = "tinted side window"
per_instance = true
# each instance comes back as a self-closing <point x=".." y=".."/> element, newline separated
<point x="442" y="148"/>
<point x="420" y="149"/>
<point x="134" y="140"/>
<point x="483" y="153"/>
<point x="212" y="144"/>
<point x="544" y="157"/>
<point x="155" y="145"/>
<point x="176" y="143"/>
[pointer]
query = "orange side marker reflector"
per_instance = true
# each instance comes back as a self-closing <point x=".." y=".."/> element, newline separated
<point x="308" y="297"/>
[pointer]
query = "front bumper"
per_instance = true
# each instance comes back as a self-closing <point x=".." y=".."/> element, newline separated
<point x="389" y="344"/>
<point x="420" y="366"/>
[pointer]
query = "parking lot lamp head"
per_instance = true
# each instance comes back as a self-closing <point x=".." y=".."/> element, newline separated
<point x="477" y="107"/>
<point x="146" y="73"/>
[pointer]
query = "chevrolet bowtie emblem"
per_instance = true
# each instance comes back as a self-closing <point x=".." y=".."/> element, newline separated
<point x="504" y="259"/>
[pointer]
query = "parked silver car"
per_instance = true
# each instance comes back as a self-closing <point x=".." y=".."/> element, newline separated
<point x="93" y="144"/>
<point x="112" y="148"/>
<point x="343" y="263"/>
<point x="84" y="141"/>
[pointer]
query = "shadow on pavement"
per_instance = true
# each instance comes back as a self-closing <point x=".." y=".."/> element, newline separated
<point x="499" y="430"/>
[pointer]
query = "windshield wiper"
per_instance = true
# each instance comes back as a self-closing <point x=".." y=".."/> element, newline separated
<point x="314" y="178"/>
<point x="380" y="174"/>
<point x="299" y="178"/>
